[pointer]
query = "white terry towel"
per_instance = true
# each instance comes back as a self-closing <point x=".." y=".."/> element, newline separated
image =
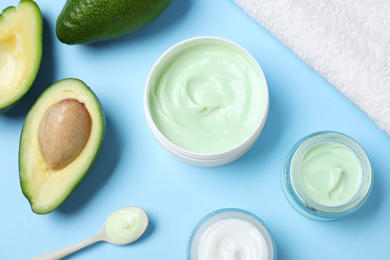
<point x="346" y="41"/>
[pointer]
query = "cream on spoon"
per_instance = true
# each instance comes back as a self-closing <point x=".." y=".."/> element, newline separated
<point x="122" y="227"/>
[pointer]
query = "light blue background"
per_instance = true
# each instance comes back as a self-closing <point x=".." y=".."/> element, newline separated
<point x="133" y="170"/>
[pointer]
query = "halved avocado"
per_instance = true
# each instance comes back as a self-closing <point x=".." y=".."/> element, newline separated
<point x="60" y="142"/>
<point x="20" y="51"/>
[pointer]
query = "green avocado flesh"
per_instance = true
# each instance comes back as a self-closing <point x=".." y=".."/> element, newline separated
<point x="44" y="185"/>
<point x="85" y="21"/>
<point x="20" y="51"/>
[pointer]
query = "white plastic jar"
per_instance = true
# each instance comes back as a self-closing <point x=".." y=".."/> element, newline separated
<point x="206" y="101"/>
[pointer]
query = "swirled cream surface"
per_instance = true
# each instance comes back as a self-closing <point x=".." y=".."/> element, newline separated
<point x="125" y="225"/>
<point x="329" y="174"/>
<point x="208" y="97"/>
<point x="232" y="239"/>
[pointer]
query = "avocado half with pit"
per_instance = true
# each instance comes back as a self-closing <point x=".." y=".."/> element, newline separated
<point x="61" y="139"/>
<point x="20" y="51"/>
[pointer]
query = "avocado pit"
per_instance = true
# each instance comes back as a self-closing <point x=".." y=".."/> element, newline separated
<point x="63" y="132"/>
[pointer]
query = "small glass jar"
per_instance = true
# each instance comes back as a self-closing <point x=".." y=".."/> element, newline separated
<point x="226" y="214"/>
<point x="305" y="203"/>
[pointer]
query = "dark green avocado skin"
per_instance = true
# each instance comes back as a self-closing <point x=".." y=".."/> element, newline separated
<point x="87" y="21"/>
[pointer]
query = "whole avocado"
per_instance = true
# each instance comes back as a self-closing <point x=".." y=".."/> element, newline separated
<point x="86" y="21"/>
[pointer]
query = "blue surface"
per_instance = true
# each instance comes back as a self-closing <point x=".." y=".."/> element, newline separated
<point x="133" y="170"/>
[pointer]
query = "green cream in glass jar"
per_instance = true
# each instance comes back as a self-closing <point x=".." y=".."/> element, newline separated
<point x="327" y="175"/>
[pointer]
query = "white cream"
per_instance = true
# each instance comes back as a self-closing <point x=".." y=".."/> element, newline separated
<point x="232" y="239"/>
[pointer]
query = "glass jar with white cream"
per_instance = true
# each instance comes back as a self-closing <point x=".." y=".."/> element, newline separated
<point x="327" y="176"/>
<point x="231" y="234"/>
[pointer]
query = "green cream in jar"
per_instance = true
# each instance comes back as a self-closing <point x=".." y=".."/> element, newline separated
<point x="329" y="174"/>
<point x="208" y="97"/>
